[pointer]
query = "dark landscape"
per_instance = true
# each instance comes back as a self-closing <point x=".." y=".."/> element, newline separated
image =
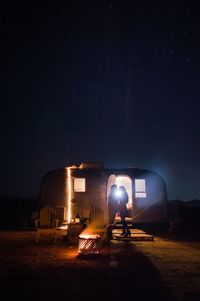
<point x="94" y="95"/>
<point x="166" y="268"/>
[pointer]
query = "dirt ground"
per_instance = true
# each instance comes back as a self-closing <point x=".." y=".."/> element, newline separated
<point x="163" y="269"/>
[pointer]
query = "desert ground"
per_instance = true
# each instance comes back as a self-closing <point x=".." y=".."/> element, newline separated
<point x="164" y="269"/>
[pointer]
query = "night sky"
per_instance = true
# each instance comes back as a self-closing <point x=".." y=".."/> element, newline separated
<point x="107" y="81"/>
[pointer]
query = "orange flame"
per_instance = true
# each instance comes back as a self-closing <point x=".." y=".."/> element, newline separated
<point x="93" y="228"/>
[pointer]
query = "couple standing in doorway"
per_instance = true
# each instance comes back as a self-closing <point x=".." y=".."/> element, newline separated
<point x="117" y="203"/>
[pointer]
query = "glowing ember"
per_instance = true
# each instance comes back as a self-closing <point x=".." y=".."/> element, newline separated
<point x="88" y="236"/>
<point x="89" y="244"/>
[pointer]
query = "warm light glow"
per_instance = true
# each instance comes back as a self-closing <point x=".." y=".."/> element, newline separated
<point x="91" y="229"/>
<point x="69" y="194"/>
<point x="63" y="227"/>
<point x="79" y="184"/>
<point x="77" y="220"/>
<point x="89" y="236"/>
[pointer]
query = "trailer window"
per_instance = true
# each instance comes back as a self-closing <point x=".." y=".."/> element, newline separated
<point x="79" y="184"/>
<point x="140" y="188"/>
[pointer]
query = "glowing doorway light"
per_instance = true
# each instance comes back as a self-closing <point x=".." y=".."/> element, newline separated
<point x="118" y="192"/>
<point x="69" y="194"/>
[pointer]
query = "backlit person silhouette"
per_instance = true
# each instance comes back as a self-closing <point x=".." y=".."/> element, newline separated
<point x="123" y="211"/>
<point x="112" y="204"/>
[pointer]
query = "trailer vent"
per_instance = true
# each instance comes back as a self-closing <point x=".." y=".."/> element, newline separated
<point x="91" y="165"/>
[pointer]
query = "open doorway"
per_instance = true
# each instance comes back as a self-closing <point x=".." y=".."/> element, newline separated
<point x="122" y="180"/>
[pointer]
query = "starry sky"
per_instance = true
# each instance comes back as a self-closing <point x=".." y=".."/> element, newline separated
<point x="107" y="81"/>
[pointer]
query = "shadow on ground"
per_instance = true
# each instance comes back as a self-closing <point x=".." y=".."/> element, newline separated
<point x="51" y="271"/>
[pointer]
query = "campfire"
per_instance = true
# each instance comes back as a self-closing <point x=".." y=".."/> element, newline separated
<point x="89" y="244"/>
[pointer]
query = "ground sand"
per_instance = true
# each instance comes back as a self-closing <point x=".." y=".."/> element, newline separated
<point x="163" y="269"/>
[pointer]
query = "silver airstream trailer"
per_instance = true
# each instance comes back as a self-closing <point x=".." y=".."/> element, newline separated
<point x="83" y="191"/>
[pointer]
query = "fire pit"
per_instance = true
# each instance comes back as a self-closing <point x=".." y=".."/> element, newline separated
<point x="89" y="244"/>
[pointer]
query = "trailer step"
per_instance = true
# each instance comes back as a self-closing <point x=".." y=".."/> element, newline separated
<point x="136" y="235"/>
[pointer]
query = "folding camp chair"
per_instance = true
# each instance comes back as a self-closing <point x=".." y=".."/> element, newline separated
<point x="46" y="225"/>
